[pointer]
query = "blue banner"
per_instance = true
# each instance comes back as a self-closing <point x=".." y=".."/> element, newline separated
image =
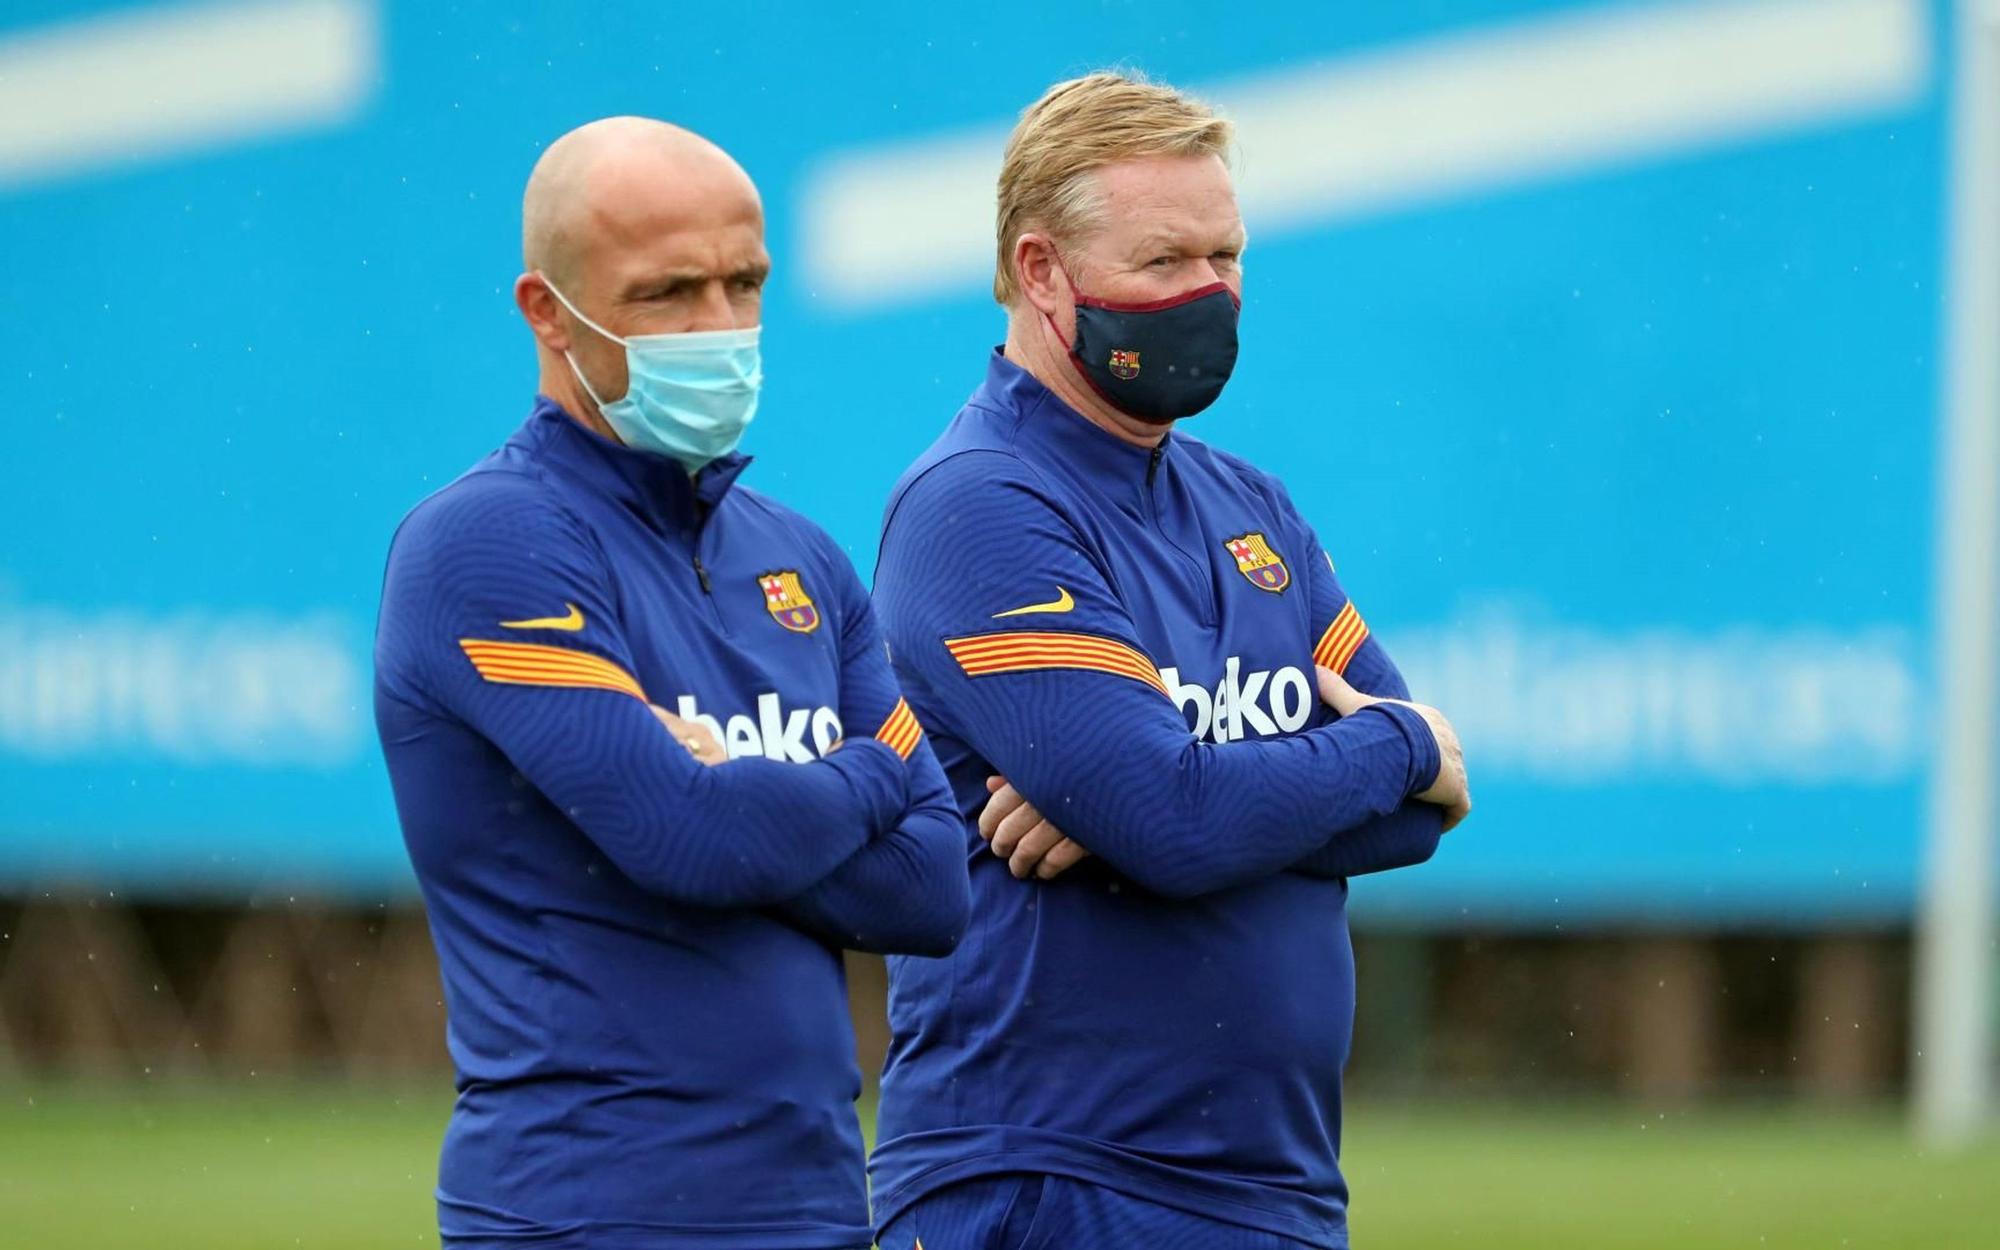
<point x="1599" y="341"/>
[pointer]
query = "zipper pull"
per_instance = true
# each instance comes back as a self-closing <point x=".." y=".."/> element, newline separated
<point x="1153" y="463"/>
<point x="701" y="572"/>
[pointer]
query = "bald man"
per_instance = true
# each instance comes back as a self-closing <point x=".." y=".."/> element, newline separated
<point x="652" y="767"/>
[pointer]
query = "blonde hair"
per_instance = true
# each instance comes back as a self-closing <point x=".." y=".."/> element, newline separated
<point x="1077" y="128"/>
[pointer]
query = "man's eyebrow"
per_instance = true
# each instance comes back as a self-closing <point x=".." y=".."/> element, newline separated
<point x="1174" y="241"/>
<point x="758" y="270"/>
<point x="659" y="280"/>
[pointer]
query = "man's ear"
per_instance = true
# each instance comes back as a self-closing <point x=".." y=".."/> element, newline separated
<point x="543" y="311"/>
<point x="1038" y="272"/>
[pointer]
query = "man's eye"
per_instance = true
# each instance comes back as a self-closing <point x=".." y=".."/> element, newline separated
<point x="1161" y="262"/>
<point x="1224" y="258"/>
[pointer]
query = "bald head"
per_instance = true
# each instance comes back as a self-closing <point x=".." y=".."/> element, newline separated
<point x="604" y="174"/>
<point x="645" y="228"/>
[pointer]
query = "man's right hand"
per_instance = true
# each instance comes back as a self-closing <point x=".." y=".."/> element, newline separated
<point x="1018" y="834"/>
<point x="1449" y="791"/>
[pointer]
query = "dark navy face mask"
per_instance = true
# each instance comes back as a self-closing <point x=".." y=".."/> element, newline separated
<point x="1158" y="361"/>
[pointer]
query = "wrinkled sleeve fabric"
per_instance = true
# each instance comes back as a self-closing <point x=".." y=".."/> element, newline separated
<point x="563" y="706"/>
<point x="1409" y="834"/>
<point x="907" y="892"/>
<point x="1067" y="705"/>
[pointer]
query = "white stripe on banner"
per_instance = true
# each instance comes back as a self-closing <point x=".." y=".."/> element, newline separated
<point x="175" y="78"/>
<point x="208" y="687"/>
<point x="1539" y="699"/>
<point x="1379" y="130"/>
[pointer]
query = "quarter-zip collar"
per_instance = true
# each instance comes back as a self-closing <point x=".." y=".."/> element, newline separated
<point x="1046" y="426"/>
<point x="656" y="487"/>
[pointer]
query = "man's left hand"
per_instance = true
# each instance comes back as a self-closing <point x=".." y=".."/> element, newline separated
<point x="694" y="736"/>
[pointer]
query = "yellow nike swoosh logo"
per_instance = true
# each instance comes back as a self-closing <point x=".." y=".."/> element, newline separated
<point x="1061" y="603"/>
<point x="570" y="623"/>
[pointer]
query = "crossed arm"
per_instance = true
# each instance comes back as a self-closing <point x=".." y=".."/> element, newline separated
<point x="1032" y="846"/>
<point x="1016" y="831"/>
<point x="874" y="864"/>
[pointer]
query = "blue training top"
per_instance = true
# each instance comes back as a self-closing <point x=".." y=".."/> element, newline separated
<point x="645" y="996"/>
<point x="1129" y="637"/>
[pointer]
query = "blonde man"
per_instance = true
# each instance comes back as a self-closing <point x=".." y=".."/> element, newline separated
<point x="1143" y="680"/>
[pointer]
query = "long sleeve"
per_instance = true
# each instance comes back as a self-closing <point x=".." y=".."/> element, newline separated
<point x="998" y="611"/>
<point x="1409" y="834"/>
<point x="497" y="611"/>
<point x="907" y="892"/>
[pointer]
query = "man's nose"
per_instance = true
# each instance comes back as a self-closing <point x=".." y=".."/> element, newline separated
<point x="1208" y="275"/>
<point x="714" y="312"/>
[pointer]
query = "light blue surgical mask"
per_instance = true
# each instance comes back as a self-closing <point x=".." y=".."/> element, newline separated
<point x="688" y="396"/>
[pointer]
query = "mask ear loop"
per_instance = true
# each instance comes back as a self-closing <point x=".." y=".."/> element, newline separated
<point x="584" y="382"/>
<point x="1067" y="347"/>
<point x="1076" y="301"/>
<point x="576" y="312"/>
<point x="570" y="359"/>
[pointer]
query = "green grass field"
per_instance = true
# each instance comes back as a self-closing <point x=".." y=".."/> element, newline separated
<point x="241" y="1167"/>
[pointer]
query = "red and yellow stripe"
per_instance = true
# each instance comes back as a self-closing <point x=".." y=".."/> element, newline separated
<point x="901" y="730"/>
<point x="982" y="655"/>
<point x="1341" y="640"/>
<point x="532" y="664"/>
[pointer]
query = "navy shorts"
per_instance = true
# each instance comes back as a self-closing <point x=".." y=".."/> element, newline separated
<point x="1031" y="1211"/>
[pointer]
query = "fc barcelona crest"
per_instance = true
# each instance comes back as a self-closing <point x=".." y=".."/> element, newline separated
<point x="788" y="603"/>
<point x="1255" y="560"/>
<point x="1125" y="365"/>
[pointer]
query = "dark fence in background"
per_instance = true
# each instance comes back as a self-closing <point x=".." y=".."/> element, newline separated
<point x="91" y="986"/>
